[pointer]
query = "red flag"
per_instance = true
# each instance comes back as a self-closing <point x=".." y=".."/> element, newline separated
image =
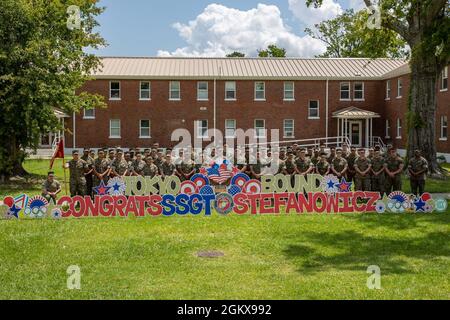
<point x="59" y="153"/>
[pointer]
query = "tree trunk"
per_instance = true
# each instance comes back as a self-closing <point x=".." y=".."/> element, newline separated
<point x="14" y="157"/>
<point x="422" y="110"/>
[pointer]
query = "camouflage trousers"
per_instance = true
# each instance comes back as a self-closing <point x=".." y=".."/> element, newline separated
<point x="49" y="198"/>
<point x="378" y="183"/>
<point x="362" y="183"/>
<point x="417" y="186"/>
<point x="393" y="184"/>
<point x="78" y="187"/>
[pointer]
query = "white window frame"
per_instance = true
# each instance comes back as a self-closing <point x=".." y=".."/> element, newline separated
<point x="444" y="76"/>
<point x="234" y="90"/>
<point x="285" y="135"/>
<point x="149" y="129"/>
<point x="111" y="136"/>
<point x="354" y="91"/>
<point x="388" y="90"/>
<point x="399" y="128"/>
<point x="230" y="128"/>
<point x="202" y="91"/>
<point x="388" y="129"/>
<point x="110" y="90"/>
<point x="263" y="91"/>
<point x="198" y="126"/>
<point x="309" y="110"/>
<point x="172" y="90"/>
<point x="399" y="88"/>
<point x="263" y="128"/>
<point x="441" y="136"/>
<point x="87" y="116"/>
<point x="149" y="90"/>
<point x="290" y="90"/>
<point x="349" y="91"/>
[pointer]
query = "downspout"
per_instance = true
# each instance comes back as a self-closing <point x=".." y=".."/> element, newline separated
<point x="73" y="130"/>
<point x="326" y="112"/>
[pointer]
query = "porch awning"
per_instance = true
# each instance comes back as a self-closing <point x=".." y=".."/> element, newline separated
<point x="354" y="113"/>
<point x="59" y="113"/>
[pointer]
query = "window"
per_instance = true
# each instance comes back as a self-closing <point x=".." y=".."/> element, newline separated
<point x="358" y="91"/>
<point x="345" y="90"/>
<point x="230" y="128"/>
<point x="388" y="129"/>
<point x="202" y="128"/>
<point x="114" y="128"/>
<point x="202" y="90"/>
<point x="399" y="128"/>
<point x="230" y="90"/>
<point x="399" y="87"/>
<point x="289" y="91"/>
<point x="260" y="128"/>
<point x="388" y="89"/>
<point x="260" y="91"/>
<point x="313" y="109"/>
<point x="89" y="114"/>
<point x="174" y="91"/>
<point x="444" y="79"/>
<point x="114" y="90"/>
<point x="444" y="128"/>
<point x="144" y="129"/>
<point x="144" y="90"/>
<point x="288" y="126"/>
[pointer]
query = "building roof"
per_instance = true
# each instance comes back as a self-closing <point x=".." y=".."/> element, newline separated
<point x="246" y="68"/>
<point x="354" y="113"/>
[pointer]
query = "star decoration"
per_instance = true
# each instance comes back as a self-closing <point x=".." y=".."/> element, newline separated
<point x="420" y="205"/>
<point x="13" y="211"/>
<point x="330" y="184"/>
<point x="102" y="189"/>
<point x="344" y="186"/>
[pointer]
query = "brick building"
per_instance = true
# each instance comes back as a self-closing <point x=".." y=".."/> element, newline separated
<point x="362" y="99"/>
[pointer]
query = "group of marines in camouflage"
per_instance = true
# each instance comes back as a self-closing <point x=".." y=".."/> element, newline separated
<point x="376" y="171"/>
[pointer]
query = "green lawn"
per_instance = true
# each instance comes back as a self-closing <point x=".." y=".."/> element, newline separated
<point x="265" y="257"/>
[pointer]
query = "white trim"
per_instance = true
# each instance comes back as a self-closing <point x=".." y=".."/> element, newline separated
<point x="293" y="129"/>
<point x="235" y="91"/>
<point x="318" y="110"/>
<point x="399" y="80"/>
<point x="88" y="117"/>
<point x="264" y="91"/>
<point x="293" y="91"/>
<point x="387" y="129"/>
<point x="207" y="91"/>
<point x="441" y="128"/>
<point x="120" y="129"/>
<point x="349" y="91"/>
<point x="149" y="91"/>
<point x="363" y="91"/>
<point x="349" y="128"/>
<point x="388" y="89"/>
<point x="234" y="128"/>
<point x="264" y="128"/>
<point x="120" y="90"/>
<point x="149" y="129"/>
<point x="443" y="73"/>
<point x="398" y="131"/>
<point x="196" y="127"/>
<point x="170" y="91"/>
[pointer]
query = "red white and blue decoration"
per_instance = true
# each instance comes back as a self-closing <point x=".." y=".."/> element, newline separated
<point x="188" y="187"/>
<point x="330" y="184"/>
<point x="102" y="189"/>
<point x="37" y="207"/>
<point x="117" y="186"/>
<point x="240" y="179"/>
<point x="252" y="186"/>
<point x="220" y="171"/>
<point x="200" y="181"/>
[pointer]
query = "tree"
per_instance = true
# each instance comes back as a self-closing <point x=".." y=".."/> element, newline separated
<point x="43" y="63"/>
<point x="347" y="36"/>
<point x="235" y="54"/>
<point x="272" y="51"/>
<point x="425" y="26"/>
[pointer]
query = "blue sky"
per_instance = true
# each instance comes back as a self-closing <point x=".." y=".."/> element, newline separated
<point x="210" y="28"/>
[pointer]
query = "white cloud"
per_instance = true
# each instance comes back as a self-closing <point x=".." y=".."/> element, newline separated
<point x="219" y="30"/>
<point x="310" y="16"/>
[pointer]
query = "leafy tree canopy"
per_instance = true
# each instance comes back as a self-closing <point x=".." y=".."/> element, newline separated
<point x="272" y="51"/>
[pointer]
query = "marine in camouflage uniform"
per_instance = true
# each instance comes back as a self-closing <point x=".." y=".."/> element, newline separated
<point x="351" y="157"/>
<point x="323" y="167"/>
<point x="362" y="167"/>
<point x="303" y="164"/>
<point x="77" y="169"/>
<point x="289" y="167"/>
<point x="256" y="168"/>
<point x="51" y="187"/>
<point x="89" y="175"/>
<point x="393" y="167"/>
<point x="417" y="167"/>
<point x="339" y="165"/>
<point x="150" y="169"/>
<point x="119" y="166"/>
<point x="377" y="176"/>
<point x="101" y="168"/>
<point x="185" y="168"/>
<point x="167" y="167"/>
<point x="138" y="165"/>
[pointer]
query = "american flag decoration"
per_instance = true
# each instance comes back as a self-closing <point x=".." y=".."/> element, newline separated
<point x="220" y="172"/>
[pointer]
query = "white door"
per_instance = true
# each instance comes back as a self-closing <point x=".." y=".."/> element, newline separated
<point x="355" y="133"/>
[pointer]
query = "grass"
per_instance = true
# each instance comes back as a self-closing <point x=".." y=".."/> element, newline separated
<point x="265" y="257"/>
